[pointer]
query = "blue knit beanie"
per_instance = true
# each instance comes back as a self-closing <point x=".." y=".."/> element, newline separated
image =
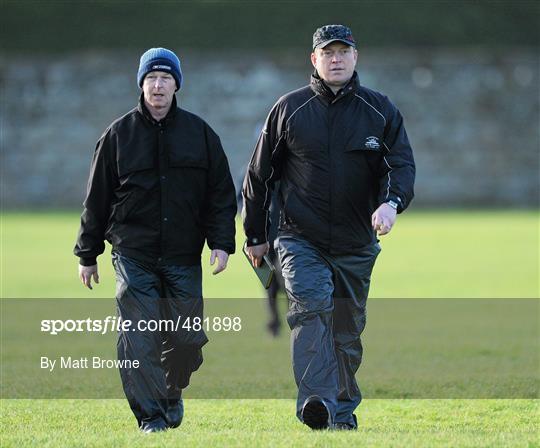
<point x="161" y="60"/>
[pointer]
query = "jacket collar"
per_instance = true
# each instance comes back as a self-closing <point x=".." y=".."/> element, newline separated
<point x="319" y="86"/>
<point x="143" y="110"/>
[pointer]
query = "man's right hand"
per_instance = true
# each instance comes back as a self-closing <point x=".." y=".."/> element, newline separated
<point x="256" y="253"/>
<point x="86" y="273"/>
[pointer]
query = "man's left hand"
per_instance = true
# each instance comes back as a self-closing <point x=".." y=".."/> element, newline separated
<point x="383" y="219"/>
<point x="222" y="258"/>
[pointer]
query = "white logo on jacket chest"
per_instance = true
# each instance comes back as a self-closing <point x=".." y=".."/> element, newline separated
<point x="372" y="142"/>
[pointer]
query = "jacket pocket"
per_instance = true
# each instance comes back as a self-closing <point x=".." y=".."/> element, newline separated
<point x="359" y="157"/>
<point x="300" y="216"/>
<point x="188" y="183"/>
<point x="135" y="163"/>
<point x="188" y="155"/>
<point x="126" y="204"/>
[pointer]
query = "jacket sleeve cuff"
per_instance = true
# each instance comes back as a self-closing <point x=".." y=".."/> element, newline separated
<point x="256" y="240"/>
<point x="395" y="200"/>
<point x="229" y="249"/>
<point x="91" y="261"/>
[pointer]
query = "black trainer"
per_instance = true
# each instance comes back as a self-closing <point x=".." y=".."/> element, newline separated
<point x="340" y="426"/>
<point x="155" y="425"/>
<point x="315" y="413"/>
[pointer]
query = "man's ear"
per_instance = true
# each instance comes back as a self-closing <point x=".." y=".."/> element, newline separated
<point x="314" y="59"/>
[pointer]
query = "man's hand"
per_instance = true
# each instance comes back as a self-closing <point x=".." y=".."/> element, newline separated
<point x="383" y="219"/>
<point x="256" y="253"/>
<point x="86" y="273"/>
<point x="222" y="258"/>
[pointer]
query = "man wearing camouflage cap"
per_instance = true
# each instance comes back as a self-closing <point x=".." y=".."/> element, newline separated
<point x="346" y="169"/>
<point x="159" y="187"/>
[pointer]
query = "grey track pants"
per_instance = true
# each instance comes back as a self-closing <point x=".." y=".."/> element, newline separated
<point x="327" y="314"/>
<point x="166" y="358"/>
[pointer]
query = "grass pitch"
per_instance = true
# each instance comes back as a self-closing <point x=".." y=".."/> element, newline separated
<point x="252" y="423"/>
<point x="430" y="255"/>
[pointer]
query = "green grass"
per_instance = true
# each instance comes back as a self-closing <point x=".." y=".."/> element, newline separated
<point x="252" y="423"/>
<point x="428" y="254"/>
<point x="449" y="254"/>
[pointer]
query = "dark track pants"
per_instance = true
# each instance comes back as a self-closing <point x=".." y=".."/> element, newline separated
<point x="327" y="314"/>
<point x="167" y="358"/>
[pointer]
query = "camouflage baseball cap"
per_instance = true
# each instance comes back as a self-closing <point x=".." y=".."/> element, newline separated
<point x="330" y="33"/>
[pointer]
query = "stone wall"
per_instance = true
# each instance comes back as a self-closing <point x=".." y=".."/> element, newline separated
<point x="472" y="116"/>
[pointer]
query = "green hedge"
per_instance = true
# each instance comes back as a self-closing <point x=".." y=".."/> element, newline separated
<point x="60" y="26"/>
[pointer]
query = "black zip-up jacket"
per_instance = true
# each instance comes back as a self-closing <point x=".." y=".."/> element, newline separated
<point x="157" y="190"/>
<point x="338" y="158"/>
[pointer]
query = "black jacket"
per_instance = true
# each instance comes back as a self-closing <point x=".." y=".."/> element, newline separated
<point x="338" y="158"/>
<point x="157" y="190"/>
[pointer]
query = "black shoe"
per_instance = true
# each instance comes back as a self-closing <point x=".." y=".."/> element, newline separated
<point x="156" y="425"/>
<point x="315" y="413"/>
<point x="175" y="413"/>
<point x="339" y="426"/>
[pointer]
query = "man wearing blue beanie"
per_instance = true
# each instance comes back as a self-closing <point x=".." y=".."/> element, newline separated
<point x="160" y="59"/>
<point x="159" y="188"/>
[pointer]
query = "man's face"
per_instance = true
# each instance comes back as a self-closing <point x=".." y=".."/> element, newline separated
<point x="335" y="63"/>
<point x="159" y="88"/>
